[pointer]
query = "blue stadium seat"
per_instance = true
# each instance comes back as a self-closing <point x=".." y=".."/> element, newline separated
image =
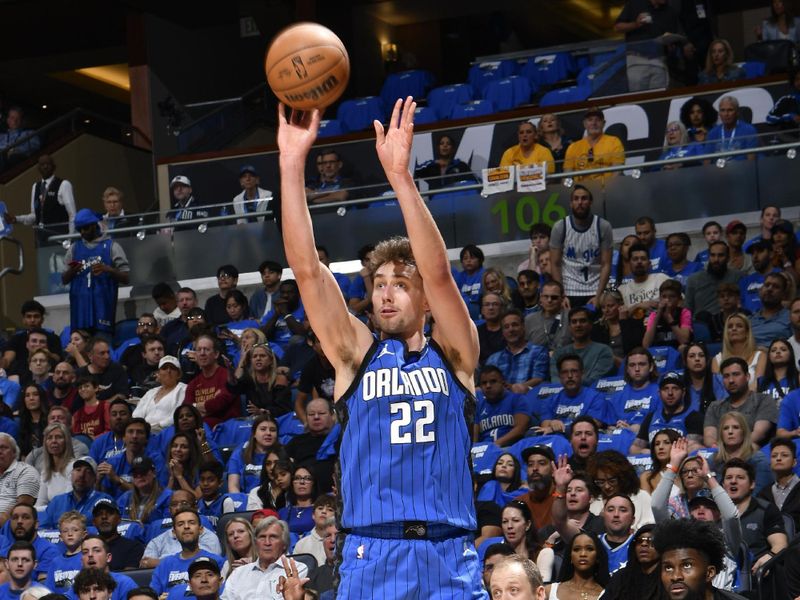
<point x="557" y="443"/>
<point x="408" y="83"/>
<point x="567" y="95"/>
<point x="359" y="113"/>
<point x="444" y="99"/>
<point x="425" y="115"/>
<point x="483" y="73"/>
<point x="548" y="69"/>
<point x="124" y="330"/>
<point x="476" y="108"/>
<point x="754" y="68"/>
<point x="330" y="127"/>
<point x="233" y="432"/>
<point x="509" y="92"/>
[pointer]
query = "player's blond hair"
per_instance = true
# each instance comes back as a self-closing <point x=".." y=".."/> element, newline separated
<point x="395" y="249"/>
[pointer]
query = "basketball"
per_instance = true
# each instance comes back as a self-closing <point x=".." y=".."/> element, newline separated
<point x="307" y="66"/>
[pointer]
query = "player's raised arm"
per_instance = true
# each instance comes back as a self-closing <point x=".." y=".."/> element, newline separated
<point x="454" y="330"/>
<point x="343" y="338"/>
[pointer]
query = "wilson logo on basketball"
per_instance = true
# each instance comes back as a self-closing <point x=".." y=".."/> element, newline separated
<point x="299" y="67"/>
<point x="318" y="91"/>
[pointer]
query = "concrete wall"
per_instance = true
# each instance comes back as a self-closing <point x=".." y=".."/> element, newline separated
<point x="91" y="164"/>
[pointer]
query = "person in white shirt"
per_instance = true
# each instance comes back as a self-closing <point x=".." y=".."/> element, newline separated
<point x="641" y="294"/>
<point x="260" y="579"/>
<point x="158" y="405"/>
<point x="52" y="203"/>
<point x="252" y="198"/>
<point x="314" y="542"/>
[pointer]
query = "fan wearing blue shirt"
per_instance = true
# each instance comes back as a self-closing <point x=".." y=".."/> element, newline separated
<point x="469" y="280"/>
<point x="96" y="557"/>
<point x="286" y="318"/>
<point x="523" y="364"/>
<point x="116" y="474"/>
<point x="24" y="526"/>
<point x="645" y="229"/>
<point x="678" y="266"/>
<point x="750" y="285"/>
<point x="618" y="518"/>
<point x="640" y="394"/>
<point x="205" y="582"/>
<point x="66" y="566"/>
<point x="112" y="442"/>
<point x="174" y="569"/>
<point x="732" y="133"/>
<point x="772" y="320"/>
<point x="712" y="232"/>
<point x="20" y="564"/>
<point x="500" y="415"/>
<point x="789" y="416"/>
<point x="83" y="496"/>
<point x="558" y="411"/>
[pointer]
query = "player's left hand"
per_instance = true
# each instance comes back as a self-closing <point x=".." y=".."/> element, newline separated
<point x="297" y="133"/>
<point x="394" y="144"/>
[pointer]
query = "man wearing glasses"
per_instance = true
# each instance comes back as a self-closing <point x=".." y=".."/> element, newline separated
<point x="596" y="150"/>
<point x="227" y="279"/>
<point x="330" y="186"/>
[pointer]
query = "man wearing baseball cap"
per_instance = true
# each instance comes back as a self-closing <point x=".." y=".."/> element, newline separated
<point x="253" y="198"/>
<point x="205" y="581"/>
<point x="539" y="461"/>
<point x="126" y="550"/>
<point x="95" y="267"/>
<point x="185" y="207"/>
<point x="596" y="150"/>
<point x="673" y="412"/>
<point x="83" y="496"/>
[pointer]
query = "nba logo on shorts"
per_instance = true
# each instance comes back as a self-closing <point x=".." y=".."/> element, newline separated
<point x="299" y="67"/>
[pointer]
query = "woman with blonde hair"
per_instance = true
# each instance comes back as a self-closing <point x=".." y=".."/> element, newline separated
<point x="551" y="134"/>
<point x="719" y="64"/>
<point x="678" y="145"/>
<point x="738" y="340"/>
<point x="734" y="441"/>
<point x="494" y="280"/>
<point x="258" y="380"/>
<point x="58" y="458"/>
<point x="240" y="545"/>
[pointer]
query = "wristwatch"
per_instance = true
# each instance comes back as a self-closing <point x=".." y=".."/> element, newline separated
<point x="710" y="475"/>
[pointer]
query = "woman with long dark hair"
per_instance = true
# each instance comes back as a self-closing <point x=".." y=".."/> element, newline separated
<point x="506" y="482"/>
<point x="299" y="510"/>
<point x="32" y="419"/>
<point x="276" y="479"/>
<point x="781" y="374"/>
<point x="584" y="571"/>
<point x="183" y="463"/>
<point x="445" y="169"/>
<point x="247" y="461"/>
<point x="187" y="419"/>
<point x="660" y="447"/>
<point x="699" y="116"/>
<point x="781" y="24"/>
<point x="640" y="578"/>
<point x="703" y="386"/>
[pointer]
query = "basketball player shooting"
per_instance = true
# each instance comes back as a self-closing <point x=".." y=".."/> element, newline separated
<point x="406" y="486"/>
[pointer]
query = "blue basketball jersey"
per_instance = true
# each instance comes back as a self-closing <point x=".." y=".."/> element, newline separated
<point x="406" y="442"/>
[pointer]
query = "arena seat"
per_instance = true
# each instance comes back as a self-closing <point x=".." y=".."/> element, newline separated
<point x="233" y="432"/>
<point x="359" y="113"/>
<point x="124" y="330"/>
<point x="444" y="99"/>
<point x="548" y="69"/>
<point x="141" y="577"/>
<point x="778" y="56"/>
<point x="414" y="83"/>
<point x="754" y="68"/>
<point x="475" y="108"/>
<point x="223" y="521"/>
<point x="482" y="74"/>
<point x="509" y="92"/>
<point x="425" y="115"/>
<point x="330" y="127"/>
<point x="567" y="95"/>
<point x="308" y="560"/>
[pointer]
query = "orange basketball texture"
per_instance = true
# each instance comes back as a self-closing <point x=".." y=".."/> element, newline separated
<point x="307" y="66"/>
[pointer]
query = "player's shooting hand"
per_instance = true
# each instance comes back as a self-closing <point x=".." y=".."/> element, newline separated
<point x="297" y="132"/>
<point x="394" y="144"/>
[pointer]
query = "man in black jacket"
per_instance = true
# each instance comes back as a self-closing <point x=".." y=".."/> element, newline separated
<point x="785" y="492"/>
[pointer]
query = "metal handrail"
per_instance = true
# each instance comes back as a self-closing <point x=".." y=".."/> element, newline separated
<point x="478" y="186"/>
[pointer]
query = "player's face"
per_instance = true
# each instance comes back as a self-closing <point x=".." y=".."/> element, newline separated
<point x="492" y="386"/>
<point x="685" y="574"/>
<point x="514" y="525"/>
<point x="398" y="298"/>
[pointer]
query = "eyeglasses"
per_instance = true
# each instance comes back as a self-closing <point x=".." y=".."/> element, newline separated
<point x="673" y="129"/>
<point x="690" y="471"/>
<point x="145" y="324"/>
<point x="196" y="318"/>
<point x="609" y="481"/>
<point x="303" y="478"/>
<point x="645" y="539"/>
<point x="224" y="275"/>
